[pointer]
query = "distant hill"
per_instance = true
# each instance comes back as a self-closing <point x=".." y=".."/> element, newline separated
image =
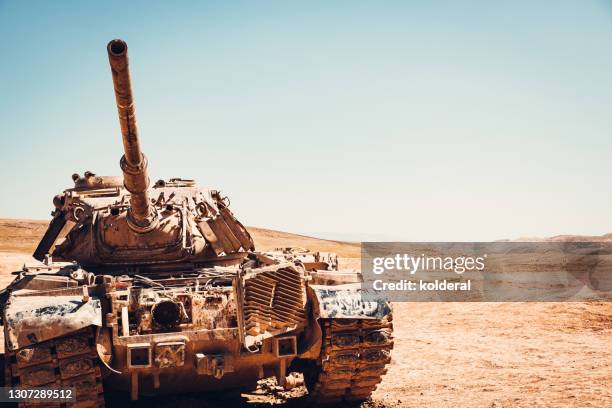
<point x="569" y="238"/>
<point x="23" y="236"/>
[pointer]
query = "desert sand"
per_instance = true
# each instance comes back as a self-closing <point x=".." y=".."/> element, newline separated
<point x="446" y="354"/>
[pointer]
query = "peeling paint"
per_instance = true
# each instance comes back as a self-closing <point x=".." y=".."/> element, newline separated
<point x="33" y="319"/>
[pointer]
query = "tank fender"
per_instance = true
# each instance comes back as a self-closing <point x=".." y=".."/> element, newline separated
<point x="33" y="319"/>
<point x="310" y="346"/>
<point x="348" y="301"/>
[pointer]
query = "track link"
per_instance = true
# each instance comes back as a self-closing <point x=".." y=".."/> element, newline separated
<point x="354" y="354"/>
<point x="70" y="361"/>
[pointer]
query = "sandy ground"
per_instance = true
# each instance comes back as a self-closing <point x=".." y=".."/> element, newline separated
<point x="500" y="355"/>
<point x="446" y="354"/>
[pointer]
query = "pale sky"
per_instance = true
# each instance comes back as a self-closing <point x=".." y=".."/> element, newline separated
<point x="412" y="121"/>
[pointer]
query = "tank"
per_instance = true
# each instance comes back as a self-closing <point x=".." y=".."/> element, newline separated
<point x="158" y="289"/>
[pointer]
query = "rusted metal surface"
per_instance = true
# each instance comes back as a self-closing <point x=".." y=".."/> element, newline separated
<point x="353" y="360"/>
<point x="91" y="181"/>
<point x="349" y="301"/>
<point x="312" y="261"/>
<point x="55" y="228"/>
<point x="101" y="234"/>
<point x="274" y="301"/>
<point x="33" y="319"/>
<point x="326" y="277"/>
<point x="103" y="221"/>
<point x="133" y="163"/>
<point x="212" y="328"/>
<point x="170" y="354"/>
<point x="69" y="361"/>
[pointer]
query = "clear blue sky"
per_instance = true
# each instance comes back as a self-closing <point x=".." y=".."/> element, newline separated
<point x="363" y="120"/>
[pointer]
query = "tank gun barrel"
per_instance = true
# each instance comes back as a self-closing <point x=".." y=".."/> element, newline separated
<point x="141" y="215"/>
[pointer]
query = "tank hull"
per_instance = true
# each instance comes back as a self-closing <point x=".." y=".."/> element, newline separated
<point x="229" y="330"/>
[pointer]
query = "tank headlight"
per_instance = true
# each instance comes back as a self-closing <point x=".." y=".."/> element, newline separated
<point x="166" y="313"/>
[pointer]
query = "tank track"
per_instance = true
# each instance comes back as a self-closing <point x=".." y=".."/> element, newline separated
<point x="70" y="361"/>
<point x="354" y="354"/>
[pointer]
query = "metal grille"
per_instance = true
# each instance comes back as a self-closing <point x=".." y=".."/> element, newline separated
<point x="273" y="300"/>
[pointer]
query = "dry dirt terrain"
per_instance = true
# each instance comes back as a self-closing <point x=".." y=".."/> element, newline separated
<point x="446" y="354"/>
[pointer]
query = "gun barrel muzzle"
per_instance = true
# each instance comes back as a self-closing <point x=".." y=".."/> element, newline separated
<point x="141" y="216"/>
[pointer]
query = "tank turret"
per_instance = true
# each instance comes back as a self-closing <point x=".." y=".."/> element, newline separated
<point x="142" y="216"/>
<point x="103" y="222"/>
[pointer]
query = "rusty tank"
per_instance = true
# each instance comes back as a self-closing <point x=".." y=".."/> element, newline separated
<point x="158" y="288"/>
